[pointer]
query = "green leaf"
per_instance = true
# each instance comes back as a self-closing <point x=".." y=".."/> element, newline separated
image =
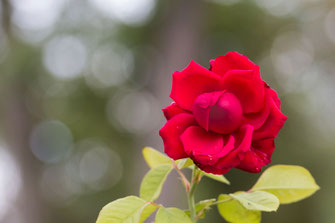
<point x="234" y="212"/>
<point x="257" y="200"/>
<point x="289" y="183"/>
<point x="202" y="206"/>
<point x="171" y="215"/>
<point x="219" y="178"/>
<point x="153" y="181"/>
<point x="155" y="158"/>
<point x="183" y="163"/>
<point x="147" y="211"/>
<point x="191" y="166"/>
<point x="130" y="209"/>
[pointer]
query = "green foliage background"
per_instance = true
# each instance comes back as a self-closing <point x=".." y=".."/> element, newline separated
<point x="292" y="41"/>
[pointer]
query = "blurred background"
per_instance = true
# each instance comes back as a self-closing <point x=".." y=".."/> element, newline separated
<point x="82" y="84"/>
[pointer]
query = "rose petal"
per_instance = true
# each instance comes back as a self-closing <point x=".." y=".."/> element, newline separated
<point x="258" y="119"/>
<point x="212" y="169"/>
<point x="206" y="148"/>
<point x="272" y="125"/>
<point x="202" y="106"/>
<point x="249" y="91"/>
<point x="228" y="147"/>
<point x="258" y="156"/>
<point x="172" y="110"/>
<point x="252" y="162"/>
<point x="219" y="111"/>
<point x="233" y="61"/>
<point x="265" y="146"/>
<point x="191" y="82"/>
<point x="274" y="96"/>
<point x="243" y="142"/>
<point x="197" y="141"/>
<point x="171" y="133"/>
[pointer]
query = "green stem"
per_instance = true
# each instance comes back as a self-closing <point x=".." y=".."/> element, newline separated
<point x="196" y="174"/>
<point x="183" y="178"/>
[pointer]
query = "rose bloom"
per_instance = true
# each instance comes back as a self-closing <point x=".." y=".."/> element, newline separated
<point x="223" y="117"/>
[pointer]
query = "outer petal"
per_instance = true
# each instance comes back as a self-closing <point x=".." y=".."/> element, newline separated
<point x="171" y="133"/>
<point x="233" y="61"/>
<point x="206" y="148"/>
<point x="197" y="141"/>
<point x="258" y="156"/>
<point x="274" y="96"/>
<point x="228" y="147"/>
<point x="251" y="162"/>
<point x="265" y="146"/>
<point x="191" y="82"/>
<point x="272" y="125"/>
<point x="258" y="119"/>
<point x="243" y="144"/>
<point x="249" y="90"/>
<point x="172" y="110"/>
<point x="212" y="169"/>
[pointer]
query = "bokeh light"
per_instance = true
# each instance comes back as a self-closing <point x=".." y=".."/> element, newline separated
<point x="10" y="181"/>
<point x="292" y="54"/>
<point x="131" y="12"/>
<point x="35" y="18"/>
<point x="280" y="7"/>
<point x="58" y="185"/>
<point x="111" y="66"/>
<point x="94" y="167"/>
<point x="51" y="141"/>
<point x="99" y="167"/>
<point x="65" y="56"/>
<point x="36" y="14"/>
<point x="133" y="111"/>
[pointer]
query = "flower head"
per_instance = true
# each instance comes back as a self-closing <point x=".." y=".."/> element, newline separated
<point x="222" y="117"/>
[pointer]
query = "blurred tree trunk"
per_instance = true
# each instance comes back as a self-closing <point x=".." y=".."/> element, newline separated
<point x="17" y="125"/>
<point x="177" y="41"/>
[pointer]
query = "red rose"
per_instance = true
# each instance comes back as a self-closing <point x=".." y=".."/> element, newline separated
<point x="223" y="117"/>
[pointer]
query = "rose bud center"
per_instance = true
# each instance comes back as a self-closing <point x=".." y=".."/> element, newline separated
<point x="219" y="112"/>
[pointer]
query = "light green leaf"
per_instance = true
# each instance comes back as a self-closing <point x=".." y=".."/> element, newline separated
<point x="155" y="158"/>
<point x="183" y="163"/>
<point x="153" y="181"/>
<point x="289" y="183"/>
<point x="130" y="209"/>
<point x="219" y="178"/>
<point x="202" y="206"/>
<point x="257" y="200"/>
<point x="191" y="166"/>
<point x="234" y="212"/>
<point x="147" y="211"/>
<point x="171" y="215"/>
